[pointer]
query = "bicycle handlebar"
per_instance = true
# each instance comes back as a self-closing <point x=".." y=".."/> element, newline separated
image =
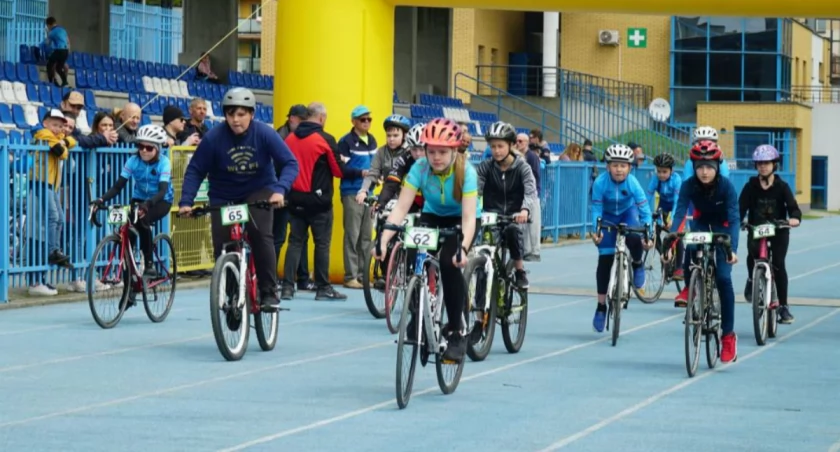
<point x="205" y="210"/>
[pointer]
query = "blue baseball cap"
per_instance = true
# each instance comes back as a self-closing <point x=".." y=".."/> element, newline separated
<point x="361" y="110"/>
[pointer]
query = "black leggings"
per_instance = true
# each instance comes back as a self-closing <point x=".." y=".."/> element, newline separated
<point x="144" y="228"/>
<point x="779" y="248"/>
<point x="454" y="286"/>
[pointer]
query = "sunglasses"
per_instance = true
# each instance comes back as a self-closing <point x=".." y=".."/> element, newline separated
<point x="146" y="148"/>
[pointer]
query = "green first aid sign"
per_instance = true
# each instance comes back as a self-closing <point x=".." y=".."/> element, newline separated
<point x="637" y="38"/>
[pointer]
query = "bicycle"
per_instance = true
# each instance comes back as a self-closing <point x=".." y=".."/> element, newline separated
<point x="764" y="287"/>
<point x="618" y="290"/>
<point x="495" y="305"/>
<point x="396" y="275"/>
<point x="653" y="257"/>
<point x="425" y="295"/>
<point x="702" y="311"/>
<point x="233" y="286"/>
<point x="373" y="272"/>
<point x="125" y="274"/>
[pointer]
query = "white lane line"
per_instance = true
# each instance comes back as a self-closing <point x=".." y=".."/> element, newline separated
<point x="390" y="402"/>
<point x="19" y="367"/>
<point x="650" y="400"/>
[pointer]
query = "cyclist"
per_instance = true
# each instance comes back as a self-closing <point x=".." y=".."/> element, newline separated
<point x="768" y="198"/>
<point x="396" y="128"/>
<point x="507" y="186"/>
<point x="449" y="184"/>
<point x="152" y="175"/>
<point x="715" y="208"/>
<point x="238" y="160"/>
<point x="667" y="183"/>
<point x="617" y="197"/>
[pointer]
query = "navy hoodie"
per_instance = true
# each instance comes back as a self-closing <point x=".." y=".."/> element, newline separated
<point x="238" y="166"/>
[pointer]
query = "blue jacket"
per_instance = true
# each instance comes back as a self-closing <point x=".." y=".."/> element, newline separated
<point x="715" y="207"/>
<point x="360" y="155"/>
<point x="615" y="198"/>
<point x="237" y="166"/>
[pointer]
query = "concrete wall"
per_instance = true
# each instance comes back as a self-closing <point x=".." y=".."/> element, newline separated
<point x="421" y="51"/>
<point x="826" y="142"/>
<point x="90" y="31"/>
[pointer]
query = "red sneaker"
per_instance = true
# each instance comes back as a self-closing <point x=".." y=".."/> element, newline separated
<point x="729" y="350"/>
<point x="681" y="300"/>
<point x="678" y="275"/>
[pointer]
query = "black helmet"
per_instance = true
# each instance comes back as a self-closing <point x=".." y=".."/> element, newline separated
<point x="664" y="161"/>
<point x="501" y="131"/>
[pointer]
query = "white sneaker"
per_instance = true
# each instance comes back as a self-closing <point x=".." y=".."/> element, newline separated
<point x="42" y="290"/>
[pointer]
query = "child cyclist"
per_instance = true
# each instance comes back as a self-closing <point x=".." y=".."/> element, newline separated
<point x="667" y="183"/>
<point x="450" y="186"/>
<point x="152" y="175"/>
<point x="617" y="197"/>
<point x="396" y="127"/>
<point x="507" y="186"/>
<point x="768" y="198"/>
<point x="715" y="209"/>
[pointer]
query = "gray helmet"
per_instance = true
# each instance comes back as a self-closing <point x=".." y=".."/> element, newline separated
<point x="239" y="97"/>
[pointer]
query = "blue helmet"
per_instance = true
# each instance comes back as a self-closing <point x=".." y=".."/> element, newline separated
<point x="398" y="121"/>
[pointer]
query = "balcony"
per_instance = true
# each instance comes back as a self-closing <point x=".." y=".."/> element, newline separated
<point x="249" y="26"/>
<point x="248" y="65"/>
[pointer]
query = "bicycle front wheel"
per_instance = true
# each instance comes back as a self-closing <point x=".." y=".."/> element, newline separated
<point x="693" y="322"/>
<point x="229" y="317"/>
<point x="160" y="292"/>
<point x="408" y="344"/>
<point x="108" y="306"/>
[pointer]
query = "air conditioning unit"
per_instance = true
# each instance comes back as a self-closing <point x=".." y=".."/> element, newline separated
<point x="608" y="37"/>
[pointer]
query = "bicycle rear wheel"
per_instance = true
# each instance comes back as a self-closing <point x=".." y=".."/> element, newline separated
<point x="481" y="319"/>
<point x="407" y="348"/>
<point x="395" y="284"/>
<point x="515" y="312"/>
<point x="760" y="305"/>
<point x="374" y="298"/>
<point x="115" y="275"/>
<point x="225" y="313"/>
<point x="694" y="320"/>
<point x="161" y="291"/>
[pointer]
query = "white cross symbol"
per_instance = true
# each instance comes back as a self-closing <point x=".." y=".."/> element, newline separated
<point x="637" y="37"/>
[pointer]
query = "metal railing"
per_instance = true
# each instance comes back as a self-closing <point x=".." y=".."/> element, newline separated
<point x="147" y="33"/>
<point x="815" y="94"/>
<point x="21" y="23"/>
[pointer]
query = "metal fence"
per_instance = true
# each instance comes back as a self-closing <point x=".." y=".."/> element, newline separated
<point x="146" y="33"/>
<point x="21" y="23"/>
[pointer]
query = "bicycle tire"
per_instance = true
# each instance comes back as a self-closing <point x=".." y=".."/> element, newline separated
<point x="712" y="325"/>
<point x="404" y="383"/>
<point x="760" y="306"/>
<point x="171" y="271"/>
<point x="395" y="283"/>
<point x="653" y="296"/>
<point x="475" y="351"/>
<point x="370" y="272"/>
<point x="514" y="345"/>
<point x="616" y="302"/>
<point x="217" y="283"/>
<point x="694" y="322"/>
<point x="91" y="283"/>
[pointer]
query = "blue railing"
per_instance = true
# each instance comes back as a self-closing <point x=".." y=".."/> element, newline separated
<point x="25" y="203"/>
<point x="21" y="22"/>
<point x="146" y="33"/>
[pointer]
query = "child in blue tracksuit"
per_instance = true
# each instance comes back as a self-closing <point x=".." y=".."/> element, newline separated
<point x="715" y="209"/>
<point x="617" y="197"/>
<point x="667" y="183"/>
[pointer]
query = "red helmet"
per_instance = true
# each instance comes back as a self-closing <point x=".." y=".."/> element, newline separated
<point x="706" y="150"/>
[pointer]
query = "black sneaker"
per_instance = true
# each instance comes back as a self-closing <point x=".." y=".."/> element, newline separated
<point x="328" y="293"/>
<point x="288" y="292"/>
<point x="521" y="279"/>
<point x="785" y="317"/>
<point x="269" y="302"/>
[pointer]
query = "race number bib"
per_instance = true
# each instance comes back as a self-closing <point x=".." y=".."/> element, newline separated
<point x="698" y="238"/>
<point x="421" y="238"/>
<point x="235" y="215"/>
<point x="765" y="230"/>
<point x="118" y="215"/>
<point x="489" y="218"/>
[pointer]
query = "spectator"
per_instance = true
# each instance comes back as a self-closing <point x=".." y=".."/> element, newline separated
<point x="310" y="200"/>
<point x="58" y="50"/>
<point x="281" y="216"/>
<point x="205" y="73"/>
<point x="572" y="153"/>
<point x="174" y="123"/>
<point x="46" y="181"/>
<point x="538" y="144"/>
<point x="357" y="149"/>
<point x="195" y="124"/>
<point x="73" y="102"/>
<point x="129" y="121"/>
<point x="534" y="232"/>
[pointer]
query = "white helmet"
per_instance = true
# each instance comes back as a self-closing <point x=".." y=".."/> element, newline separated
<point x="619" y="153"/>
<point x="415" y="135"/>
<point x="151" y="133"/>
<point x="705" y="133"/>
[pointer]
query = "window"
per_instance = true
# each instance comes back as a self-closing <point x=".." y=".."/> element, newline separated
<point x="690" y="69"/>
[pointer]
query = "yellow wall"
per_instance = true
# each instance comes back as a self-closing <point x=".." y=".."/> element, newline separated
<point x="502" y="31"/>
<point x="580" y="51"/>
<point x="729" y="115"/>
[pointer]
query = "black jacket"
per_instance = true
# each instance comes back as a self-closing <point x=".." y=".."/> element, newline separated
<point x="775" y="203"/>
<point x="506" y="192"/>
